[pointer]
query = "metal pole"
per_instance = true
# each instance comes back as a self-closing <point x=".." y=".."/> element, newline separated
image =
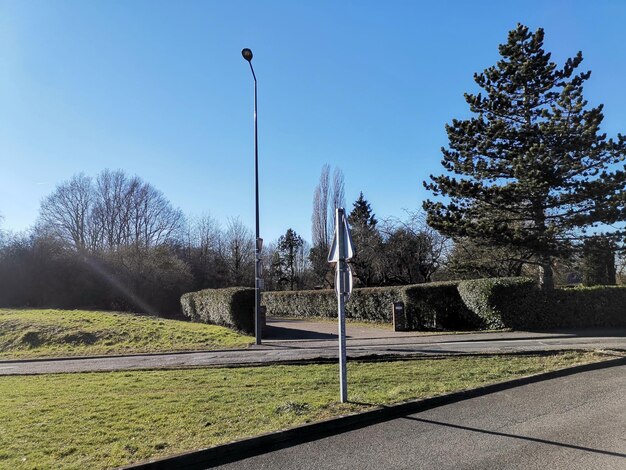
<point x="257" y="249"/>
<point x="247" y="54"/>
<point x="341" y="266"/>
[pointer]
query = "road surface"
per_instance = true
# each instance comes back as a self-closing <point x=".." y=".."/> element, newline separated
<point x="573" y="422"/>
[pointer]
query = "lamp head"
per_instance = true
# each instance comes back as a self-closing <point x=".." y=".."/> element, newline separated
<point x="247" y="54"/>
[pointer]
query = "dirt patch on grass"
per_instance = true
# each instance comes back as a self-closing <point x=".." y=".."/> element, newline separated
<point x="31" y="339"/>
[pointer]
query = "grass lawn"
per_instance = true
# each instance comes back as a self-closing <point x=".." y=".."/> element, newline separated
<point x="48" y="333"/>
<point x="101" y="420"/>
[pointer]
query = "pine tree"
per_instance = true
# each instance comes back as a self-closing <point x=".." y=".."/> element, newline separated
<point x="361" y="214"/>
<point x="531" y="168"/>
<point x="367" y="241"/>
<point x="288" y="246"/>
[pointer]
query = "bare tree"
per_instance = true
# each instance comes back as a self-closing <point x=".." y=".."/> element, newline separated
<point x="66" y="213"/>
<point x="472" y="259"/>
<point x="111" y="208"/>
<point x="303" y="265"/>
<point x="114" y="212"/>
<point x="272" y="268"/>
<point x="326" y="198"/>
<point x="319" y="219"/>
<point x="413" y="252"/>
<point x="129" y="211"/>
<point x="238" y="252"/>
<point x="206" y="234"/>
<point x="200" y="245"/>
<point x="338" y="191"/>
<point x="151" y="220"/>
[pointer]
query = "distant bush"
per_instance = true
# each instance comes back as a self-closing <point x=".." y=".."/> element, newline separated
<point x="232" y="307"/>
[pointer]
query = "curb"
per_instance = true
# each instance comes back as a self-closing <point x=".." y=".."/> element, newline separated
<point x="238" y="450"/>
<point x="120" y="356"/>
<point x="383" y="357"/>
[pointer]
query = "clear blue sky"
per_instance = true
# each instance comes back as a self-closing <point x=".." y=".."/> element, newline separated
<point x="160" y="90"/>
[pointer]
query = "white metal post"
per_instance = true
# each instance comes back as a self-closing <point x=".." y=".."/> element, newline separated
<point x="341" y="266"/>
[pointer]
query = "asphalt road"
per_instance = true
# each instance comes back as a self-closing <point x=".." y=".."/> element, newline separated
<point x="573" y="422"/>
<point x="294" y="340"/>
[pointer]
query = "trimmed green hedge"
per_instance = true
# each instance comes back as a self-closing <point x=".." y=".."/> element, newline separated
<point x="519" y="304"/>
<point x="438" y="305"/>
<point x="232" y="307"/>
<point x="598" y="306"/>
<point x="500" y="302"/>
<point x="426" y="305"/>
<point x="515" y="303"/>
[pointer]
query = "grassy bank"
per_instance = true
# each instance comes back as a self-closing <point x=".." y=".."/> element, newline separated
<point x="39" y="333"/>
<point x="101" y="420"/>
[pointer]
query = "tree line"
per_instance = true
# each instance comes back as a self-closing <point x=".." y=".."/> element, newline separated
<point x="116" y="242"/>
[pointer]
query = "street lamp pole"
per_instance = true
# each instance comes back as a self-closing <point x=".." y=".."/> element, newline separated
<point x="247" y="55"/>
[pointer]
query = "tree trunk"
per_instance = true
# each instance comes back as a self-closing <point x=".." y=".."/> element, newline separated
<point x="546" y="276"/>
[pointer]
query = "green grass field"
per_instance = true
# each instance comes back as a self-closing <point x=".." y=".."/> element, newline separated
<point x="102" y="420"/>
<point x="49" y="333"/>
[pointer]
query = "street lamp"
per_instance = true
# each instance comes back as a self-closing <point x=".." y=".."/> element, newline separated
<point x="247" y="54"/>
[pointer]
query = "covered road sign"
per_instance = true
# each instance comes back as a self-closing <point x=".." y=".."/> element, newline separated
<point x="342" y="240"/>
<point x="341" y="251"/>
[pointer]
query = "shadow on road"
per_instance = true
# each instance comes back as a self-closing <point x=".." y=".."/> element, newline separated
<point x="515" y="436"/>
<point x="278" y="332"/>
<point x="586" y="333"/>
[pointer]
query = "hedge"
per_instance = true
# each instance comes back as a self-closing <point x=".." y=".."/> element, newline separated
<point x="515" y="303"/>
<point x="231" y="307"/>
<point x="598" y="306"/>
<point x="519" y="304"/>
<point x="500" y="302"/>
<point x="436" y="304"/>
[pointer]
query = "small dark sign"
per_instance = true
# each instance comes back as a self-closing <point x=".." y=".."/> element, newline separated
<point x="399" y="317"/>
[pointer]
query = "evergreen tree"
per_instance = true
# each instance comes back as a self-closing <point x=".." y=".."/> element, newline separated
<point x="531" y="169"/>
<point x="367" y="242"/>
<point x="361" y="214"/>
<point x="598" y="262"/>
<point x="288" y="246"/>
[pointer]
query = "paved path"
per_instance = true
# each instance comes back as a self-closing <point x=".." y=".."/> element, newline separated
<point x="574" y="422"/>
<point x="294" y="340"/>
